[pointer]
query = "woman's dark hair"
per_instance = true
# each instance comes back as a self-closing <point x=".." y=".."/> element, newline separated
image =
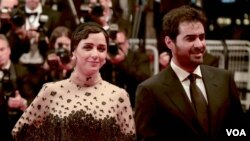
<point x="173" y="18"/>
<point x="59" y="32"/>
<point x="83" y="31"/>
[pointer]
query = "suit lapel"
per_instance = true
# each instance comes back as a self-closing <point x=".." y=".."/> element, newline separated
<point x="178" y="95"/>
<point x="214" y="100"/>
<point x="211" y="87"/>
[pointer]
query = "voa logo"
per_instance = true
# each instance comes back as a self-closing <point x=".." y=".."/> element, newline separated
<point x="236" y="132"/>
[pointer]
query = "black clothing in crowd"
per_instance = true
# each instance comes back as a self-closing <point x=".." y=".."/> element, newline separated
<point x="129" y="73"/>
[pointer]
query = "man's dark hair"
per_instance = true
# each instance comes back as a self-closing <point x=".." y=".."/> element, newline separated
<point x="173" y="18"/>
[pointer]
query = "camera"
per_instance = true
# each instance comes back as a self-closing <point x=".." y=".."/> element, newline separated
<point x="17" y="17"/>
<point x="113" y="47"/>
<point x="42" y="43"/>
<point x="97" y="10"/>
<point x="8" y="87"/>
<point x="11" y="19"/>
<point x="43" y="19"/>
<point x="63" y="53"/>
<point x="91" y="11"/>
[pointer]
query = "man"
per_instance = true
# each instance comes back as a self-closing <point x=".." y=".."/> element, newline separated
<point x="34" y="9"/>
<point x="160" y="8"/>
<point x="15" y="89"/>
<point x="39" y="22"/>
<point x="12" y="20"/>
<point x="9" y="4"/>
<point x="125" y="67"/>
<point x="166" y="107"/>
<point x="6" y="7"/>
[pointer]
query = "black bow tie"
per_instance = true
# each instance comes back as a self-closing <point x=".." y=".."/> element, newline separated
<point x="31" y="14"/>
<point x="4" y="70"/>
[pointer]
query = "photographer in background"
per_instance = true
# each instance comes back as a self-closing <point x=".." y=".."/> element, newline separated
<point x="6" y="7"/>
<point x="40" y="21"/>
<point x="58" y="64"/>
<point x="103" y="12"/>
<point x="34" y="9"/>
<point x="12" y="20"/>
<point x="125" y="67"/>
<point x="15" y="87"/>
<point x="96" y="11"/>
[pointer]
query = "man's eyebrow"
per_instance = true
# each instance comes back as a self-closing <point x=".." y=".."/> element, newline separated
<point x="194" y="35"/>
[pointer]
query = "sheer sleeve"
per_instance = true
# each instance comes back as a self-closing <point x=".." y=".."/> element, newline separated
<point x="125" y="114"/>
<point x="35" y="113"/>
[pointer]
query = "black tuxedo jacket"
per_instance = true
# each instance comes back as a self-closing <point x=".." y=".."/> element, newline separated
<point x="18" y="74"/>
<point x="163" y="110"/>
<point x="54" y="18"/>
<point x="5" y="128"/>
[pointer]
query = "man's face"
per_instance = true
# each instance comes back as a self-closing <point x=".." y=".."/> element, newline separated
<point x="122" y="41"/>
<point x="105" y="3"/>
<point x="8" y="4"/>
<point x="4" y="53"/>
<point x="190" y="45"/>
<point x="6" y="7"/>
<point x="32" y="4"/>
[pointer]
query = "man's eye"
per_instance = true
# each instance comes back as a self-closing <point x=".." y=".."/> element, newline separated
<point x="202" y="37"/>
<point x="191" y="38"/>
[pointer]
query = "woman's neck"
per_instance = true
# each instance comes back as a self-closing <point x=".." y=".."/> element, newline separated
<point x="85" y="80"/>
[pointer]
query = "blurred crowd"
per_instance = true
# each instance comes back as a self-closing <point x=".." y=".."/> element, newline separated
<point x="35" y="45"/>
<point x="35" y="48"/>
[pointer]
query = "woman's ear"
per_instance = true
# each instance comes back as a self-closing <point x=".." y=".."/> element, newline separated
<point x="73" y="57"/>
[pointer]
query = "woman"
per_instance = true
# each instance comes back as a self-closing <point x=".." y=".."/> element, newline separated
<point x="82" y="107"/>
<point x="58" y="64"/>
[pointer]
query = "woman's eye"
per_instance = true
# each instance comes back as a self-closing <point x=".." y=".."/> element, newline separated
<point x="87" y="47"/>
<point x="101" y="48"/>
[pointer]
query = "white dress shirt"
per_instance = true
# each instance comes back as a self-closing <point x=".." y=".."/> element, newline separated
<point x="182" y="75"/>
<point x="32" y="22"/>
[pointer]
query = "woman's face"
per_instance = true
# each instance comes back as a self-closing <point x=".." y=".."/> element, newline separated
<point x="64" y="42"/>
<point x="91" y="53"/>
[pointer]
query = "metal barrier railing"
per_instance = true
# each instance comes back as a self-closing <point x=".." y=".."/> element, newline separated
<point x="237" y="60"/>
<point x="151" y="47"/>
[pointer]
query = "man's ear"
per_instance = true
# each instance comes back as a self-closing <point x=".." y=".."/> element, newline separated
<point x="169" y="42"/>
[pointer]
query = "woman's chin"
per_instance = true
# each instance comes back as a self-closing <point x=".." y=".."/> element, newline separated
<point x="93" y="71"/>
